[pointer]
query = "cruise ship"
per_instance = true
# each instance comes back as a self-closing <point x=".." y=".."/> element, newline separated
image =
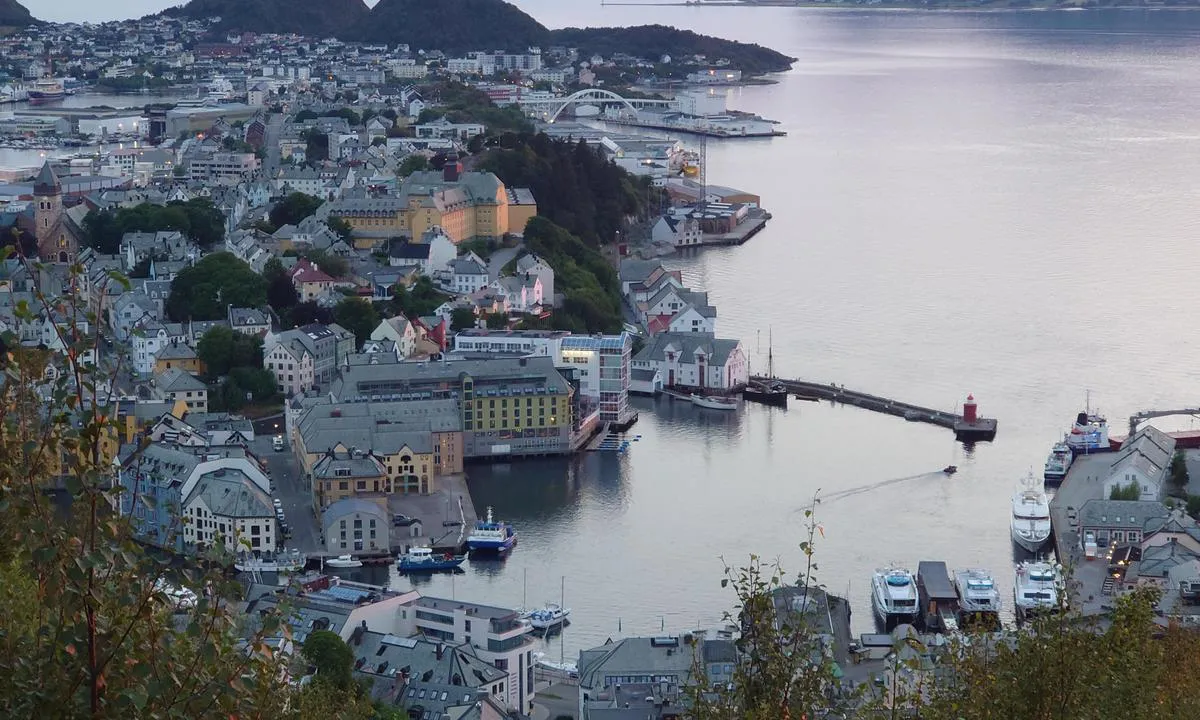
<point x="1030" y="517"/>
<point x="894" y="596"/>
<point x="1036" y="589"/>
<point x="1059" y="462"/>
<point x="978" y="599"/>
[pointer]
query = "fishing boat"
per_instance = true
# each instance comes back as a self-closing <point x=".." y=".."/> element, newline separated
<point x="490" y="535"/>
<point x="343" y="561"/>
<point x="1058" y="462"/>
<point x="894" y="596"/>
<point x="423" y="559"/>
<point x="769" y="391"/>
<point x="547" y="617"/>
<point x="1030" y="524"/>
<point x="276" y="563"/>
<point x="714" y="402"/>
<point x="1036" y="589"/>
<point x="47" y="90"/>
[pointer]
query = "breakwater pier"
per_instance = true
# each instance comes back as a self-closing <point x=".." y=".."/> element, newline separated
<point x="967" y="427"/>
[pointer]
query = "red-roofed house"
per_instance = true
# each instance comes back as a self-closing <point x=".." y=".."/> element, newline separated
<point x="310" y="281"/>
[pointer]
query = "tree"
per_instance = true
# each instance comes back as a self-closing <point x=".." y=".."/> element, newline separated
<point x="462" y="318"/>
<point x="86" y="629"/>
<point x="333" y="658"/>
<point x="316" y="146"/>
<point x="198" y="219"/>
<point x="587" y="281"/>
<point x="205" y="290"/>
<point x="281" y="294"/>
<point x="22" y="241"/>
<point x="1125" y="492"/>
<point x="223" y="349"/>
<point x="331" y="265"/>
<point x="340" y="226"/>
<point x="496" y="320"/>
<point x="293" y="208"/>
<point x="412" y="164"/>
<point x="1179" y="471"/>
<point x="1193" y="506"/>
<point x="358" y="316"/>
<point x="308" y="312"/>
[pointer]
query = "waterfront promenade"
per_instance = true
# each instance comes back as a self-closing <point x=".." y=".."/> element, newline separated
<point x="1084" y="481"/>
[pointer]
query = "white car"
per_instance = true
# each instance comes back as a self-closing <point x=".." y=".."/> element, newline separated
<point x="277" y="443"/>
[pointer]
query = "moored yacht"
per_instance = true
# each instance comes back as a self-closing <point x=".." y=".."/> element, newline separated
<point x="1036" y="589"/>
<point x="978" y="599"/>
<point x="894" y="596"/>
<point x="1059" y="462"/>
<point x="1030" y="517"/>
<point x="548" y="617"/>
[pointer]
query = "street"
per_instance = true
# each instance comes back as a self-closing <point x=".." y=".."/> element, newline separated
<point x="289" y="487"/>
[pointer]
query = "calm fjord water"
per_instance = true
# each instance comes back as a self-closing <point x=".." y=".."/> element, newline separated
<point x="1002" y="204"/>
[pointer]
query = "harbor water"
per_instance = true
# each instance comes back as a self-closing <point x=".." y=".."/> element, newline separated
<point x="997" y="203"/>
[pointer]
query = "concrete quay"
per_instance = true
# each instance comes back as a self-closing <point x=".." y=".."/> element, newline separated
<point x="1084" y="481"/>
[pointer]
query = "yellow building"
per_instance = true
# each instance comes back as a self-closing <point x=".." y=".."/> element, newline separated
<point x="466" y="206"/>
<point x="178" y="355"/>
<point x="390" y="448"/>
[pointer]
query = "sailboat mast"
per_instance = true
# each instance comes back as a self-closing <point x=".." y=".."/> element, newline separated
<point x="770" y="352"/>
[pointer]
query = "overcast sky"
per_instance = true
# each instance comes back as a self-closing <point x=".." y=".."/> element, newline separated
<point x="98" y="10"/>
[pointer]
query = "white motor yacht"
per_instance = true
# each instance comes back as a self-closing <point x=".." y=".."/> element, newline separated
<point x="1036" y="589"/>
<point x="894" y="596"/>
<point x="978" y="598"/>
<point x="1030" y="517"/>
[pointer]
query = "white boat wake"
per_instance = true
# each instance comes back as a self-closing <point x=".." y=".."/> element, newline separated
<point x="843" y="494"/>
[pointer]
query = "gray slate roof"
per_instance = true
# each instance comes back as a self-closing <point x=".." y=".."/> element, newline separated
<point x="176" y="380"/>
<point x="231" y="493"/>
<point x="686" y="344"/>
<point x="1144" y="515"/>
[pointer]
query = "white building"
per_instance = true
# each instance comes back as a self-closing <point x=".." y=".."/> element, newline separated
<point x="522" y="294"/>
<point x="692" y="319"/>
<point x="468" y="274"/>
<point x="293" y="366"/>
<point x="695" y="360"/>
<point x="433" y="254"/>
<point x="223" y="167"/>
<point x="148" y="338"/>
<point x="1143" y="460"/>
<point x="533" y="265"/>
<point x="678" y="231"/>
<point x="604" y="370"/>
<point x="227" y="506"/>
<point x="399" y="331"/>
<point x="175" y="385"/>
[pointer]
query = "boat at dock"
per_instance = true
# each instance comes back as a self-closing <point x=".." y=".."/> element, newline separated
<point x="978" y="599"/>
<point x="343" y="561"/>
<point x="558" y="670"/>
<point x="548" y="617"/>
<point x="769" y="391"/>
<point x="714" y="402"/>
<point x="271" y="562"/>
<point x="894" y="596"/>
<point x="1058" y="462"/>
<point x="1036" y="589"/>
<point x="1030" y="524"/>
<point x="490" y="535"/>
<point x="1089" y="434"/>
<point x="423" y="559"/>
<point x="47" y="90"/>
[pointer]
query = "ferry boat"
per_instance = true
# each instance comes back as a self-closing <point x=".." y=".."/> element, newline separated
<point x="1059" y="462"/>
<point x="1036" y="588"/>
<point x="714" y="402"/>
<point x="423" y="559"/>
<point x="1089" y="434"/>
<point x="276" y="563"/>
<point x="47" y="90"/>
<point x="547" y="617"/>
<point x="343" y="561"/>
<point x="1030" y="524"/>
<point x="978" y="599"/>
<point x="490" y="535"/>
<point x="894" y="596"/>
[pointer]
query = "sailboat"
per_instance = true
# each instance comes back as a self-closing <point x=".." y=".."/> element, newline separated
<point x="769" y="391"/>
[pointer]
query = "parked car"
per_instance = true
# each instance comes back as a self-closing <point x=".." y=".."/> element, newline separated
<point x="277" y="443"/>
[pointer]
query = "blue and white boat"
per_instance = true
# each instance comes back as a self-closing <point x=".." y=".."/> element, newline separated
<point x="423" y="559"/>
<point x="548" y="617"/>
<point x="1059" y="462"/>
<point x="490" y="535"/>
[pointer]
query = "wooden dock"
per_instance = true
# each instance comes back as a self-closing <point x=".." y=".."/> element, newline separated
<point x="981" y="429"/>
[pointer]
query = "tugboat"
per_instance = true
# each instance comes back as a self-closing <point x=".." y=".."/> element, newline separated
<point x="490" y="535"/>
<point x="423" y="559"/>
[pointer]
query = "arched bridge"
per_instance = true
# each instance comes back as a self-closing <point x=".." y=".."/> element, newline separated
<point x="553" y="107"/>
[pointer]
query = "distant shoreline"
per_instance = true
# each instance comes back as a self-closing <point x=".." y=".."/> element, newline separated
<point x="999" y="8"/>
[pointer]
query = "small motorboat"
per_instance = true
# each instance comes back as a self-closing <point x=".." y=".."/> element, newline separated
<point x="714" y="402"/>
<point x="548" y="617"/>
<point x="423" y="559"/>
<point x="343" y="561"/>
<point x="950" y="469"/>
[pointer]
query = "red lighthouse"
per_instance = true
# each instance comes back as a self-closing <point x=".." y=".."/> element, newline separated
<point x="970" y="427"/>
<point x="969" y="409"/>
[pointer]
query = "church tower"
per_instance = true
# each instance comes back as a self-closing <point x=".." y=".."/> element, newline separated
<point x="56" y="242"/>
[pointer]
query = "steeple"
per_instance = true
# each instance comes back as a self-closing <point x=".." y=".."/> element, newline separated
<point x="47" y="182"/>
